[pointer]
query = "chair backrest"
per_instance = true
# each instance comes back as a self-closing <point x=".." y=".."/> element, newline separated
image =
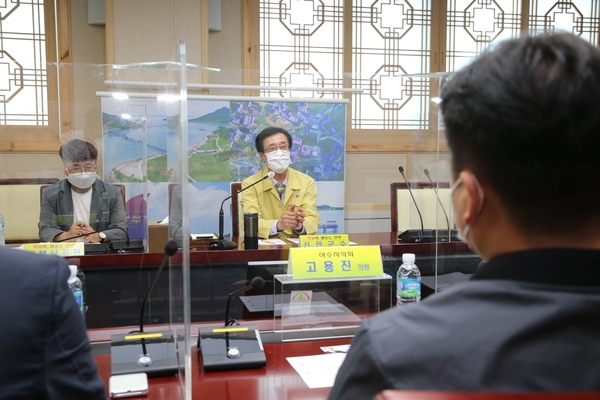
<point x="20" y="207"/>
<point x="236" y="229"/>
<point x="122" y="188"/>
<point x="404" y="214"/>
<point x="171" y="187"/>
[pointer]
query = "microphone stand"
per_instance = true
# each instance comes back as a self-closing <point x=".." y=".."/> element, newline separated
<point x="164" y="360"/>
<point x="415" y="235"/>
<point x="242" y="344"/>
<point x="128" y="245"/>
<point x="439" y="201"/>
<point x="88" y="247"/>
<point x="77" y="236"/>
<point x="411" y="195"/>
<point x="222" y="217"/>
<point x="221" y="243"/>
<point x="117" y="246"/>
<point x="256" y="283"/>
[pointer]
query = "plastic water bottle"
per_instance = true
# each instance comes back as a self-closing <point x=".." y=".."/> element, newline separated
<point x="2" y="237"/>
<point x="408" y="284"/>
<point x="76" y="287"/>
<point x="81" y="277"/>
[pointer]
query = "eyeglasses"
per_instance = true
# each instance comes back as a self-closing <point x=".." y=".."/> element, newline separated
<point x="81" y="168"/>
<point x="283" y="147"/>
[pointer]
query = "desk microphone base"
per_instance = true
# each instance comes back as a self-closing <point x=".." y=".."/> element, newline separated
<point x="231" y="347"/>
<point x="428" y="235"/>
<point x="222" y="245"/>
<point x="95" y="248"/>
<point x="127" y="354"/>
<point x="124" y="246"/>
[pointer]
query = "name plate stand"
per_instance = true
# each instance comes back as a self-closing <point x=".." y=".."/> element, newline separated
<point x="328" y="290"/>
<point x="64" y="249"/>
<point x="335" y="262"/>
<point x="323" y="240"/>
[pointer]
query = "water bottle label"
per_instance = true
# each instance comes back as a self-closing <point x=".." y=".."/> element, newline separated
<point x="1" y="226"/>
<point x="79" y="298"/>
<point x="409" y="288"/>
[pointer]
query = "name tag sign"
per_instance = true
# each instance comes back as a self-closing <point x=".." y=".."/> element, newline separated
<point x="57" y="249"/>
<point x="323" y="240"/>
<point x="335" y="262"/>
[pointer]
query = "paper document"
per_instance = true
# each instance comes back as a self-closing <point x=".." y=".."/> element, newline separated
<point x="318" y="371"/>
<point x="270" y="242"/>
<point x="342" y="348"/>
<point x="296" y="241"/>
<point x="203" y="236"/>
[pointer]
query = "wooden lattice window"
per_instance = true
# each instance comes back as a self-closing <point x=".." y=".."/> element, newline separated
<point x="387" y="48"/>
<point x="30" y="115"/>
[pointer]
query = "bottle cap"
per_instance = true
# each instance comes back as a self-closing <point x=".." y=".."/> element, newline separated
<point x="73" y="269"/>
<point x="408" y="258"/>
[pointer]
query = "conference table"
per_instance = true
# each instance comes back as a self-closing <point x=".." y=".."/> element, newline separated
<point x="199" y="251"/>
<point x="118" y="281"/>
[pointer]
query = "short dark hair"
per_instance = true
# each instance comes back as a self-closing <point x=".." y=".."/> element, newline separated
<point x="265" y="133"/>
<point x="78" y="151"/>
<point x="525" y="118"/>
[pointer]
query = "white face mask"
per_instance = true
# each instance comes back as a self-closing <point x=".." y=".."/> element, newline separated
<point x="278" y="161"/>
<point x="82" y="180"/>
<point x="462" y="235"/>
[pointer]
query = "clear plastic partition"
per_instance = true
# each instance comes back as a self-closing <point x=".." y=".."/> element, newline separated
<point x="421" y="204"/>
<point x="121" y="153"/>
<point x="224" y="119"/>
<point x="325" y="308"/>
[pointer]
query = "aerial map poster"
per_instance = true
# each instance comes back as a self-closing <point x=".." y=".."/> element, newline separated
<point x="140" y="150"/>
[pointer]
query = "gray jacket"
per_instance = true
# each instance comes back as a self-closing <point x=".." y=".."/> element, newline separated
<point x="107" y="211"/>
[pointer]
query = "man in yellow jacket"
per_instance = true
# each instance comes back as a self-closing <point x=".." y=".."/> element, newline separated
<point x="287" y="203"/>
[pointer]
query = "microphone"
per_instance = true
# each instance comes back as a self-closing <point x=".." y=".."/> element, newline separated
<point x="415" y="235"/>
<point x="89" y="248"/>
<point x="127" y="246"/>
<point x="440" y="202"/>
<point x="159" y="350"/>
<point x="232" y="347"/>
<point x="171" y="248"/>
<point x="117" y="246"/>
<point x="78" y="236"/>
<point x="256" y="283"/>
<point x="223" y="244"/>
<point x="411" y="195"/>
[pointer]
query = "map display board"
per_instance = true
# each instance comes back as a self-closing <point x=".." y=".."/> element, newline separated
<point x="140" y="150"/>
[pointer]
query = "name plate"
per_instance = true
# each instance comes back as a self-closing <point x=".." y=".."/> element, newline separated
<point x="64" y="249"/>
<point x="323" y="240"/>
<point x="335" y="262"/>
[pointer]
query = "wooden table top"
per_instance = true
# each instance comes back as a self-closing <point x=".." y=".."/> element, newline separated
<point x="432" y="395"/>
<point x="278" y="380"/>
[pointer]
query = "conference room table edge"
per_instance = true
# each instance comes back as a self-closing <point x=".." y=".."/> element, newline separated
<point x="200" y="253"/>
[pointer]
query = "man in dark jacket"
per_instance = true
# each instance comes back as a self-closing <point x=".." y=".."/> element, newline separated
<point x="523" y="128"/>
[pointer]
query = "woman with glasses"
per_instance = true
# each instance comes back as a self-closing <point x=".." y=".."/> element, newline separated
<point x="287" y="203"/>
<point x="81" y="206"/>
